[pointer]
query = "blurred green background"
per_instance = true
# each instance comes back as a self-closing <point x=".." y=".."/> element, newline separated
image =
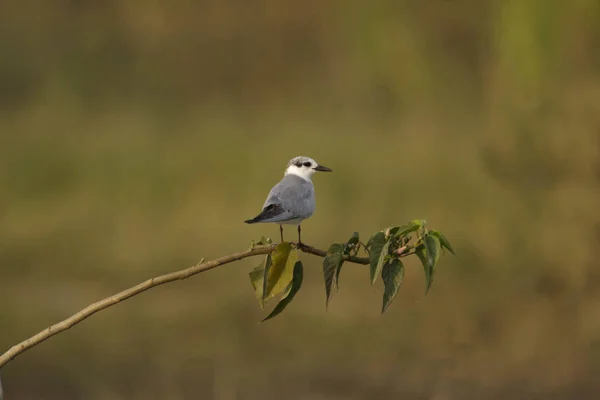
<point x="135" y="137"/>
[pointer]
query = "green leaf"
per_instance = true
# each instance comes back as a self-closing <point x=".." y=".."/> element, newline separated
<point x="392" y="230"/>
<point x="262" y="242"/>
<point x="392" y="276"/>
<point x="433" y="247"/>
<point x="411" y="227"/>
<point x="257" y="277"/>
<point x="351" y="244"/>
<point x="293" y="288"/>
<point x="443" y="240"/>
<point x="286" y="275"/>
<point x="279" y="274"/>
<point x="419" y="222"/>
<point x="382" y="259"/>
<point x="377" y="263"/>
<point x="332" y="265"/>
<point x="377" y="244"/>
<point x="421" y="252"/>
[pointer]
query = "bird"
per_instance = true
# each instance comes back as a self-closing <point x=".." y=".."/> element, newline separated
<point x="292" y="200"/>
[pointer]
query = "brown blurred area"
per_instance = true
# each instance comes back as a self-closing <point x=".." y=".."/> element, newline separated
<point x="136" y="137"/>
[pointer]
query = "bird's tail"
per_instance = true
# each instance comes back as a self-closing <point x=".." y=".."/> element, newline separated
<point x="270" y="211"/>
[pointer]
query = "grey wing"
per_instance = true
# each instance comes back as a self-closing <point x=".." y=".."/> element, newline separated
<point x="295" y="196"/>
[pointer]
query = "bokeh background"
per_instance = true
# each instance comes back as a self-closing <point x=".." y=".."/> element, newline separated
<point x="135" y="137"/>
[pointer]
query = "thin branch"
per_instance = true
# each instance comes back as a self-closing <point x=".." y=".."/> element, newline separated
<point x="322" y="253"/>
<point x="142" y="287"/>
<point x="357" y="260"/>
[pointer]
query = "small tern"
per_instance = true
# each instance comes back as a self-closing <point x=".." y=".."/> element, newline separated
<point x="292" y="200"/>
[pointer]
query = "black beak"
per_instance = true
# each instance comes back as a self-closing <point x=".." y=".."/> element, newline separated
<point x="322" y="168"/>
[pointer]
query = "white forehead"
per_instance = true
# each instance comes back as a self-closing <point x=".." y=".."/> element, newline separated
<point x="298" y="161"/>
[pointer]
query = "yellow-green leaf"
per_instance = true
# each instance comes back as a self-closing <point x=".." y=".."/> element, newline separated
<point x="332" y="264"/>
<point x="392" y="276"/>
<point x="287" y="275"/>
<point x="257" y="277"/>
<point x="377" y="244"/>
<point x="279" y="274"/>
<point x="293" y="288"/>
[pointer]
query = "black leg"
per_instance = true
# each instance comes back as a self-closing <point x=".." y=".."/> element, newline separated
<point x="281" y="232"/>
<point x="299" y="240"/>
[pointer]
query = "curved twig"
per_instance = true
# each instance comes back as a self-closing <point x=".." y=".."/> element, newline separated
<point x="142" y="287"/>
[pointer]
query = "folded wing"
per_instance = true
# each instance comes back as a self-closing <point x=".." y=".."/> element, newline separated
<point x="292" y="198"/>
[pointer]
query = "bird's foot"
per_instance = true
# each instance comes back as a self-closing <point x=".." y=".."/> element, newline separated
<point x="302" y="246"/>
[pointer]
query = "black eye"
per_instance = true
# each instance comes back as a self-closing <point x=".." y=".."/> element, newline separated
<point x="307" y="164"/>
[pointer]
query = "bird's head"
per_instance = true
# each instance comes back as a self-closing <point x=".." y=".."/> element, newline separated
<point x="304" y="167"/>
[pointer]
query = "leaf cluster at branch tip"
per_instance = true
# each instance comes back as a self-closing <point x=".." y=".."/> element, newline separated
<point x="281" y="272"/>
